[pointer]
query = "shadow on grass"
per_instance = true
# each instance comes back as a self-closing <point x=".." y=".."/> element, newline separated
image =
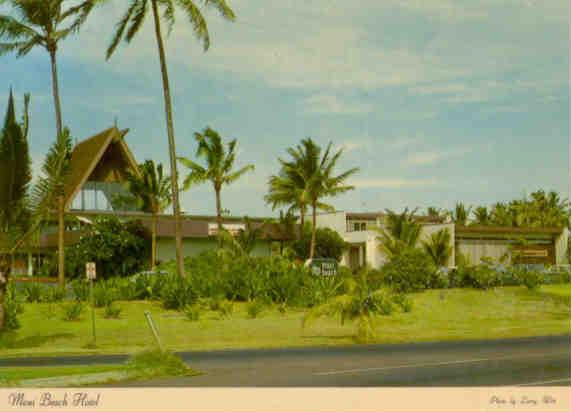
<point x="11" y="341"/>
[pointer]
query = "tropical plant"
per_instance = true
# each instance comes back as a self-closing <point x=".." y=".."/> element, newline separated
<point x="435" y="212"/>
<point x="219" y="168"/>
<point x="72" y="310"/>
<point x="361" y="303"/>
<point x="43" y="23"/>
<point x="243" y="243"/>
<point x="400" y="232"/>
<point x="311" y="174"/>
<point x="410" y="271"/>
<point x="460" y="214"/>
<point x="127" y="28"/>
<point x="152" y="192"/>
<point x="481" y="216"/>
<point x="438" y="247"/>
<point x="328" y="244"/>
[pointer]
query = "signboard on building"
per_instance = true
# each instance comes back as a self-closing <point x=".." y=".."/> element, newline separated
<point x="324" y="267"/>
<point x="233" y="228"/>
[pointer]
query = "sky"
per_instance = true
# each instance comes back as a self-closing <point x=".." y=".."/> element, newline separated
<point x="435" y="101"/>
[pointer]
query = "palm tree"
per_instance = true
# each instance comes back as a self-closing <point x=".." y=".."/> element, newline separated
<point x="460" y="214"/>
<point x="438" y="247"/>
<point x="220" y="159"/>
<point x="360" y="303"/>
<point x="400" y="232"/>
<point x="435" y="212"/>
<point x="151" y="189"/>
<point x="43" y="23"/>
<point x="133" y="19"/>
<point x="481" y="216"/>
<point x="313" y="176"/>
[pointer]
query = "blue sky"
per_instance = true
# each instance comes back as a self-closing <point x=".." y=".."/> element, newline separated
<point x="436" y="101"/>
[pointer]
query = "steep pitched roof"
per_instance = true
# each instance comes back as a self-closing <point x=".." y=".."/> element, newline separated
<point x="87" y="154"/>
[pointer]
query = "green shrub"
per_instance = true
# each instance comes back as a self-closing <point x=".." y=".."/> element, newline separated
<point x="192" y="312"/>
<point x="50" y="311"/>
<point x="80" y="289"/>
<point x="226" y="308"/>
<point x="320" y="289"/>
<point x="328" y="244"/>
<point x="54" y="294"/>
<point x="156" y="363"/>
<point x="531" y="279"/>
<point x="483" y="277"/>
<point x="33" y="292"/>
<point x="403" y="301"/>
<point x="13" y="307"/>
<point x="103" y="294"/>
<point x="255" y="308"/>
<point x="409" y="271"/>
<point x="72" y="310"/>
<point x="112" y="311"/>
<point x="177" y="292"/>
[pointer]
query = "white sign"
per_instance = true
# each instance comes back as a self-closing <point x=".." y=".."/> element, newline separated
<point x="90" y="270"/>
<point x="233" y="228"/>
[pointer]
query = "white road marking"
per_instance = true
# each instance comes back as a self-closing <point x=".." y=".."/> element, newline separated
<point x="422" y="365"/>
<point x="543" y="382"/>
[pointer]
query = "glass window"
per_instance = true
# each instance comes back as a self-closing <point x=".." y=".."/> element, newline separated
<point x="356" y="227"/>
<point x="363" y="226"/>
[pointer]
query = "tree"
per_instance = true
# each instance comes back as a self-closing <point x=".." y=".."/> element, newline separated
<point x="15" y="172"/>
<point x="438" y="247"/>
<point x="311" y="176"/>
<point x="328" y="244"/>
<point x="400" y="232"/>
<point x="152" y="192"/>
<point x="48" y="194"/>
<point x="360" y="303"/>
<point x="460" y="214"/>
<point x="435" y="212"/>
<point x="219" y="168"/>
<point x="43" y="23"/>
<point x="133" y="19"/>
<point x="481" y="216"/>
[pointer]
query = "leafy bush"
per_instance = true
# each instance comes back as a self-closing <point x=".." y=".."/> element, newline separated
<point x="156" y="363"/>
<point x="440" y="279"/>
<point x="411" y="270"/>
<point x="403" y="301"/>
<point x="531" y="279"/>
<point x="33" y="292"/>
<point x="54" y="294"/>
<point x="72" y="310"/>
<point x="103" y="294"/>
<point x="118" y="249"/>
<point x="482" y="276"/>
<point x="255" y="308"/>
<point x="328" y="244"/>
<point x="112" y="311"/>
<point x="13" y="307"/>
<point x="319" y="289"/>
<point x="177" y="292"/>
<point x="80" y="289"/>
<point x="226" y="308"/>
<point x="192" y="312"/>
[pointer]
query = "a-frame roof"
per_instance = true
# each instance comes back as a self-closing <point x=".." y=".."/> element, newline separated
<point x="87" y="154"/>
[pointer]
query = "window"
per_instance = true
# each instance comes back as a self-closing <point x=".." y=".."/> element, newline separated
<point x="363" y="226"/>
<point x="356" y="227"/>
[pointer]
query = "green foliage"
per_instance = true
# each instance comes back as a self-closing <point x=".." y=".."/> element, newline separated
<point x="117" y="248"/>
<point x="403" y="301"/>
<point x="225" y="308"/>
<point x="104" y="294"/>
<point x="255" y="308"/>
<point x="156" y="363"/>
<point x="13" y="307"/>
<point x="438" y="247"/>
<point x="400" y="232"/>
<point x="177" y="293"/>
<point x="328" y="244"/>
<point x="461" y="213"/>
<point x="319" y="289"/>
<point x="112" y="311"/>
<point x="33" y="292"/>
<point x="72" y="310"/>
<point x="531" y="279"/>
<point x="80" y="289"/>
<point x="192" y="312"/>
<point x="411" y="270"/>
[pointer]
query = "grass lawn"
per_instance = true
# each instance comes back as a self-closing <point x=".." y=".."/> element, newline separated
<point x="14" y="375"/>
<point x="454" y="314"/>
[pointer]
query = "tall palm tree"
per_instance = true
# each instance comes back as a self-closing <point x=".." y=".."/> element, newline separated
<point x="43" y="23"/>
<point x="131" y="22"/>
<point x="152" y="191"/>
<point x="315" y="174"/>
<point x="219" y="168"/>
<point x="481" y="216"/>
<point x="461" y="213"/>
<point x="400" y="232"/>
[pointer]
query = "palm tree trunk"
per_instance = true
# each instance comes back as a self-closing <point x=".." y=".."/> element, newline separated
<point x="219" y="215"/>
<point x="313" y="230"/>
<point x="60" y="243"/>
<point x="301" y="220"/>
<point x="171" y="139"/>
<point x="154" y="242"/>
<point x="55" y="91"/>
<point x="4" y="276"/>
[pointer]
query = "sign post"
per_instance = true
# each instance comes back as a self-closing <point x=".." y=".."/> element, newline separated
<point x="324" y="267"/>
<point x="91" y="272"/>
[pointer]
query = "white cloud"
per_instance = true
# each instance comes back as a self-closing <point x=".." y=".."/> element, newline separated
<point x="331" y="104"/>
<point x="428" y="157"/>
<point x="393" y="183"/>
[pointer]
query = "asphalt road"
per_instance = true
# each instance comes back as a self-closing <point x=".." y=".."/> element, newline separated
<point x="537" y="361"/>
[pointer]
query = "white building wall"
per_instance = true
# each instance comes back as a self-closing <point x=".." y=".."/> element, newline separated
<point x="561" y="245"/>
<point x="476" y="249"/>
<point x="336" y="221"/>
